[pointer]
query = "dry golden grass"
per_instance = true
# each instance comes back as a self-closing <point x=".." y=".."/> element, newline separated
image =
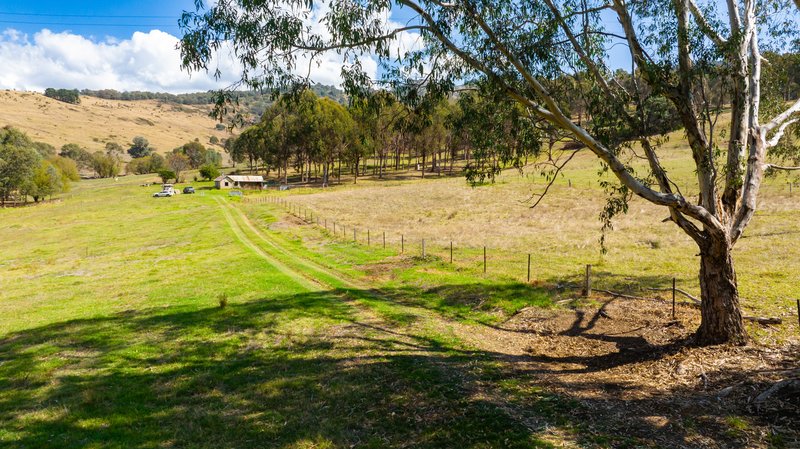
<point x="95" y="121"/>
<point x="562" y="233"/>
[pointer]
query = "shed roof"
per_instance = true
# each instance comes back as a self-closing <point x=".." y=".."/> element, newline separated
<point x="239" y="178"/>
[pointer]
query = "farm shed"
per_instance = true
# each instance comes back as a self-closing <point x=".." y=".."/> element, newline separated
<point x="239" y="182"/>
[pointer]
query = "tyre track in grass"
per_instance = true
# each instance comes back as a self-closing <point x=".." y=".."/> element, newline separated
<point x="474" y="339"/>
<point x="470" y="334"/>
<point x="301" y="265"/>
<point x="306" y="273"/>
<point x="303" y="281"/>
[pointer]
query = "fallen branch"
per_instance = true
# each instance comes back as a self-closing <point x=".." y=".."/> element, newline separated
<point x="780" y="385"/>
<point x="622" y="295"/>
<point x="763" y="320"/>
<point x="696" y="301"/>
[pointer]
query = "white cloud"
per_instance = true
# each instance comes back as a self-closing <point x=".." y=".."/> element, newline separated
<point x="146" y="61"/>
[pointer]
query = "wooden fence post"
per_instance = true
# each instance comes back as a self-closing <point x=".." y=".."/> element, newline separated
<point x="367" y="237"/>
<point x="587" y="286"/>
<point x="529" y="267"/>
<point x="451" y="251"/>
<point x="384" y="239"/>
<point x="673" y="298"/>
<point x="484" y="259"/>
<point x="402" y="243"/>
<point x="354" y="234"/>
<point x="423" y="248"/>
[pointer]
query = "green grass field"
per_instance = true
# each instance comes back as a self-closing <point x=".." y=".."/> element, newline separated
<point x="112" y="336"/>
<point x="112" y="333"/>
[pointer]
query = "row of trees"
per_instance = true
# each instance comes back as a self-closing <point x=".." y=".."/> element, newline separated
<point x="105" y="163"/>
<point x="37" y="170"/>
<point x="109" y="162"/>
<point x="314" y="135"/>
<point x="31" y="169"/>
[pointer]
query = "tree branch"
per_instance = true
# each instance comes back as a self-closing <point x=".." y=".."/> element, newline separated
<point x="558" y="118"/>
<point x="780" y="167"/>
<point x="553" y="180"/>
<point x="783" y="116"/>
<point x="700" y="18"/>
<point x="779" y="133"/>
<point x="580" y="51"/>
<point x="361" y="43"/>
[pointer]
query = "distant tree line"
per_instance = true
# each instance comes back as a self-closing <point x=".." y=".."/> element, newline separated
<point x="251" y="102"/>
<point x="71" y="96"/>
<point x="31" y="169"/>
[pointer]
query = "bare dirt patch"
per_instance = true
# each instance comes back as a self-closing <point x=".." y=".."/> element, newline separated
<point x="629" y="358"/>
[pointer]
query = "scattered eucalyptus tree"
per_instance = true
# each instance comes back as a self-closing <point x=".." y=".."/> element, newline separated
<point x="520" y="47"/>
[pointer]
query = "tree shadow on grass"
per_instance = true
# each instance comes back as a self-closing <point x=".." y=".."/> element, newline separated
<point x="295" y="371"/>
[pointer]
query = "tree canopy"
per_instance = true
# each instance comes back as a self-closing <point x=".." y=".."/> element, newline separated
<point x="24" y="172"/>
<point x="71" y="96"/>
<point x="140" y="147"/>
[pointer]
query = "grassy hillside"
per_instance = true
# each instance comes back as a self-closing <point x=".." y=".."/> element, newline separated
<point x="94" y="121"/>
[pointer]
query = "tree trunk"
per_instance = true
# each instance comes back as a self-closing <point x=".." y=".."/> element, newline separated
<point x="721" y="316"/>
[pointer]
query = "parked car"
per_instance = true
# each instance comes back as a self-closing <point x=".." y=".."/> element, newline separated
<point x="163" y="193"/>
<point x="188" y="189"/>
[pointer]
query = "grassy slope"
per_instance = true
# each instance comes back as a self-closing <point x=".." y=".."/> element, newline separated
<point x="95" y="121"/>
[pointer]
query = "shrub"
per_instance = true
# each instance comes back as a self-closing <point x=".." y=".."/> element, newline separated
<point x="209" y="171"/>
<point x="166" y="175"/>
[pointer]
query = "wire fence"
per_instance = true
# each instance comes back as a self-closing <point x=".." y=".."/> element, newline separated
<point x="587" y="283"/>
<point x="478" y="259"/>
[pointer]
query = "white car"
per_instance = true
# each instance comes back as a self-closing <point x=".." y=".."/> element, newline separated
<point x="163" y="194"/>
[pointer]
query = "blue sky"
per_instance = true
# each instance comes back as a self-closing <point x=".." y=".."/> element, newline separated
<point x="94" y="18"/>
<point x="123" y="45"/>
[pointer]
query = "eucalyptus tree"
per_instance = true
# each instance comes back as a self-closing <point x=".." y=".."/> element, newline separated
<point x="518" y="46"/>
<point x="47" y="181"/>
<point x="19" y="161"/>
<point x="336" y="131"/>
<point x="500" y="132"/>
